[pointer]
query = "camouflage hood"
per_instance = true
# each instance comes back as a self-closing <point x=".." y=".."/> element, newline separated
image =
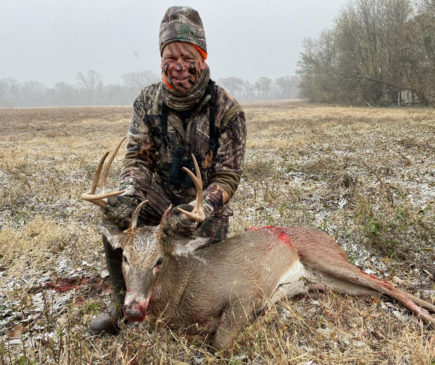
<point x="182" y="24"/>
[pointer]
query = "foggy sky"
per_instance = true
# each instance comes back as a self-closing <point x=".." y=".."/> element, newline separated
<point x="51" y="40"/>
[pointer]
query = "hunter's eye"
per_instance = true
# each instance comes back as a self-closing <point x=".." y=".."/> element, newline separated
<point x="159" y="262"/>
<point x="124" y="259"/>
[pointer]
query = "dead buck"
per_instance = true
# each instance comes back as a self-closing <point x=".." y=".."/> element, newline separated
<point x="220" y="287"/>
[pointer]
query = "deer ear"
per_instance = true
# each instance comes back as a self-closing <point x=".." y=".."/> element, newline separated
<point x="114" y="235"/>
<point x="186" y="248"/>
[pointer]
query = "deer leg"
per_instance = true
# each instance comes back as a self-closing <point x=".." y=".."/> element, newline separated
<point x="408" y="300"/>
<point x="233" y="320"/>
<point x="430" y="307"/>
<point x="114" y="266"/>
<point x="325" y="282"/>
<point x="107" y="321"/>
<point x="347" y="278"/>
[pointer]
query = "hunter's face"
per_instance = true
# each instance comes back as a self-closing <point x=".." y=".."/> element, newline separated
<point x="181" y="65"/>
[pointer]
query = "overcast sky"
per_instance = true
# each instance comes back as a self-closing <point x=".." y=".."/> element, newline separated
<point x="51" y="40"/>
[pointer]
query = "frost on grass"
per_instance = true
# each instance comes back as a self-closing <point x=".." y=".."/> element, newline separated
<point x="364" y="175"/>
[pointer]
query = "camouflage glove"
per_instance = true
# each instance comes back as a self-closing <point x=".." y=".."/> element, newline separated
<point x="119" y="210"/>
<point x="180" y="222"/>
<point x="213" y="200"/>
<point x="208" y="209"/>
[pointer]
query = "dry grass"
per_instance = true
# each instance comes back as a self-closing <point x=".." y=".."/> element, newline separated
<point x="365" y="175"/>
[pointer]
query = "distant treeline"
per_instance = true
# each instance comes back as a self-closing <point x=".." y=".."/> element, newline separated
<point x="90" y="90"/>
<point x="380" y="52"/>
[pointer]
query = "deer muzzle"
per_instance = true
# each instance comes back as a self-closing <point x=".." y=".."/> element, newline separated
<point x="135" y="309"/>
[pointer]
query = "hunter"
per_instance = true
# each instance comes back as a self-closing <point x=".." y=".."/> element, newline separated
<point x="185" y="113"/>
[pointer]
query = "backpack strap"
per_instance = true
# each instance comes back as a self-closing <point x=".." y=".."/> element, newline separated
<point x="164" y="125"/>
<point x="213" y="139"/>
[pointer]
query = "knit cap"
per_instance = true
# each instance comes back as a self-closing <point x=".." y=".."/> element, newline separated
<point x="182" y="24"/>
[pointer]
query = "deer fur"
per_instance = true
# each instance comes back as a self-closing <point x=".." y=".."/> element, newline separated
<point x="219" y="288"/>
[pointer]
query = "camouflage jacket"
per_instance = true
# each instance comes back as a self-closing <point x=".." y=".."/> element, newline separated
<point x="148" y="159"/>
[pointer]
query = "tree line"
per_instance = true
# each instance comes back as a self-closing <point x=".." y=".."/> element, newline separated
<point x="380" y="53"/>
<point x="91" y="90"/>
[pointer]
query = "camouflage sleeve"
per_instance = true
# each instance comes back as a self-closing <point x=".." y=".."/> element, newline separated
<point x="230" y="155"/>
<point x="139" y="160"/>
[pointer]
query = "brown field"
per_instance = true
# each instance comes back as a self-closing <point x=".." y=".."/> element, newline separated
<point x="365" y="175"/>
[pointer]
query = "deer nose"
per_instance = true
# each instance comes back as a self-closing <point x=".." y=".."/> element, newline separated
<point x="134" y="312"/>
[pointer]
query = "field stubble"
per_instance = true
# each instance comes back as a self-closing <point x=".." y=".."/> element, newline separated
<point x="364" y="175"/>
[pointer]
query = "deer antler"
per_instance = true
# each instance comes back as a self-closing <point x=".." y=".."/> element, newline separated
<point x="135" y="216"/>
<point x="197" y="214"/>
<point x="99" y="198"/>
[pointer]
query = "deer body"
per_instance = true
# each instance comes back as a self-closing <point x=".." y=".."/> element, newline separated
<point x="219" y="288"/>
<point x="206" y="279"/>
<point x="222" y="286"/>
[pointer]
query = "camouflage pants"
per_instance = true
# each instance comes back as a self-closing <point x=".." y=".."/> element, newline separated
<point x="159" y="197"/>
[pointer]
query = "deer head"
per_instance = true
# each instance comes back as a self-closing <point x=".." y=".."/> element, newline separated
<point x="142" y="260"/>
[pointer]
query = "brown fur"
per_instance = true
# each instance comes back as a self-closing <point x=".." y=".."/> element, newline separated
<point x="219" y="288"/>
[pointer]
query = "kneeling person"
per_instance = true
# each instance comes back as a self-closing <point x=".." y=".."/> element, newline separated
<point x="184" y="114"/>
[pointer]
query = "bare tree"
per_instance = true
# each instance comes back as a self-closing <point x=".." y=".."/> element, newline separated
<point x="287" y="87"/>
<point x="9" y="92"/>
<point x="237" y="87"/>
<point x="263" y="88"/>
<point x="426" y="7"/>
<point x="138" y="80"/>
<point x="64" y="94"/>
<point x="378" y="51"/>
<point x="90" y="82"/>
<point x="418" y="53"/>
<point x="33" y="92"/>
<point x="318" y="69"/>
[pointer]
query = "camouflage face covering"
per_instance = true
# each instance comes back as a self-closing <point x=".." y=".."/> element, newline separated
<point x="182" y="24"/>
<point x="181" y="101"/>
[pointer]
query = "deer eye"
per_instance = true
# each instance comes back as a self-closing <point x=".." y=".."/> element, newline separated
<point x="159" y="262"/>
<point x="124" y="260"/>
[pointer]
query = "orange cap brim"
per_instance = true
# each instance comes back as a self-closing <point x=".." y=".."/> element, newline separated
<point x="200" y="50"/>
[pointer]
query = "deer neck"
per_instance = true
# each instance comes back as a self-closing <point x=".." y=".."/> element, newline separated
<point x="170" y="285"/>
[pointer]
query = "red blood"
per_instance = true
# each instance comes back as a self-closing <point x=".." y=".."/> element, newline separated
<point x="67" y="284"/>
<point x="279" y="232"/>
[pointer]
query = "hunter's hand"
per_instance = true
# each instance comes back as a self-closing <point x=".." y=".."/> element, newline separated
<point x="180" y="222"/>
<point x="208" y="209"/>
<point x="119" y="210"/>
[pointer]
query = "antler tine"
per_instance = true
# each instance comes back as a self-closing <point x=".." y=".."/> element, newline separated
<point x="97" y="174"/>
<point x="90" y="195"/>
<point x="135" y="215"/>
<point x="109" y="163"/>
<point x="197" y="213"/>
<point x="98" y="198"/>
